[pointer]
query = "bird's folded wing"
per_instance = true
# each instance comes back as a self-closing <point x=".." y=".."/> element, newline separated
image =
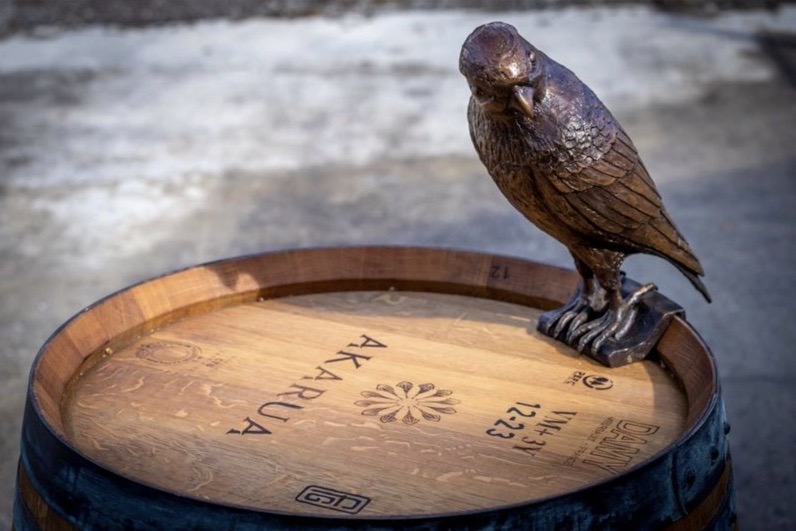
<point x="614" y="192"/>
<point x="613" y="200"/>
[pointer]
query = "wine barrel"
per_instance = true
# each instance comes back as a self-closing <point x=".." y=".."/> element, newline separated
<point x="374" y="387"/>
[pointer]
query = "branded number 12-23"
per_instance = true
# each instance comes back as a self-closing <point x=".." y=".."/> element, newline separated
<point x="504" y="428"/>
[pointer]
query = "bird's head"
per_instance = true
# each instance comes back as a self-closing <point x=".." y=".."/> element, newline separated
<point x="504" y="71"/>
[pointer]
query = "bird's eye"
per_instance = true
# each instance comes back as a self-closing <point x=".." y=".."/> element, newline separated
<point x="532" y="62"/>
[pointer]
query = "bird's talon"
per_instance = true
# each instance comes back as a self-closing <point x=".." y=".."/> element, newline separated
<point x="608" y="332"/>
<point x="575" y="332"/>
<point x="558" y="323"/>
<point x="595" y="346"/>
<point x="626" y="323"/>
<point x="572" y="336"/>
<point x="586" y="340"/>
<point x="579" y="320"/>
<point x="591" y="330"/>
<point x="588" y="326"/>
<point x="562" y="324"/>
<point x="636" y="296"/>
<point x="598" y="343"/>
<point x="550" y="326"/>
<point x="615" y="324"/>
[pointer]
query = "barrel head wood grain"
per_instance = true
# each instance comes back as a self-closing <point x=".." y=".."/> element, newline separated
<point x="416" y="403"/>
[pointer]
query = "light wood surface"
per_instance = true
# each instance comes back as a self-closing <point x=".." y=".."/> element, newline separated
<point x="370" y="403"/>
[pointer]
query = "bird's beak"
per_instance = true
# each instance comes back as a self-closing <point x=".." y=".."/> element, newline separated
<point x="522" y="99"/>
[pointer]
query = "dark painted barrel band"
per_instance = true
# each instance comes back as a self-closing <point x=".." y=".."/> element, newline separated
<point x="717" y="509"/>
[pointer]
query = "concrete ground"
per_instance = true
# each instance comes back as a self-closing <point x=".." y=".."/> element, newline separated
<point x="128" y="153"/>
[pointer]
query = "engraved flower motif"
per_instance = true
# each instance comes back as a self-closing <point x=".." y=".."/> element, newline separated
<point x="407" y="402"/>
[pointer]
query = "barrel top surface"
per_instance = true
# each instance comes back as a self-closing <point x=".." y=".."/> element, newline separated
<point x="343" y="398"/>
<point x="417" y="403"/>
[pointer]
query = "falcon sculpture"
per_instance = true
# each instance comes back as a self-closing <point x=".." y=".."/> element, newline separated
<point x="560" y="158"/>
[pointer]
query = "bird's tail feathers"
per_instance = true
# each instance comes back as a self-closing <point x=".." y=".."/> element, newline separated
<point x="695" y="281"/>
<point x="677" y="251"/>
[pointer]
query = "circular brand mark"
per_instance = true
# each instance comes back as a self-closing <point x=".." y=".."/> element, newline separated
<point x="600" y="383"/>
<point x="168" y="352"/>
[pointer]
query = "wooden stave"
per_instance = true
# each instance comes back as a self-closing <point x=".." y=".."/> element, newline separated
<point x="703" y="447"/>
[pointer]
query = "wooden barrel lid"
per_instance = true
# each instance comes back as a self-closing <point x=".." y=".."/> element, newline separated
<point x="299" y="385"/>
<point x="409" y="403"/>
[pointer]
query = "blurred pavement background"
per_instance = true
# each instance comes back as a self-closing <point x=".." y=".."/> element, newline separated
<point x="129" y="152"/>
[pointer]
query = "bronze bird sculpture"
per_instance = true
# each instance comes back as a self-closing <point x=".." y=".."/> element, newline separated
<point x="561" y="159"/>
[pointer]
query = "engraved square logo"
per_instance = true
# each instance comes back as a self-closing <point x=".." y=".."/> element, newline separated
<point x="334" y="500"/>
